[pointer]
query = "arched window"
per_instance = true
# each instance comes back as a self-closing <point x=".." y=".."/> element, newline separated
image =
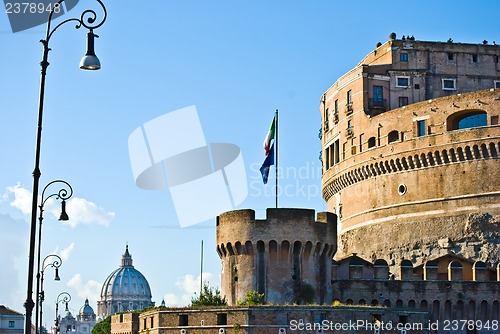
<point x="371" y="142"/>
<point x="393" y="136"/>
<point x="467" y="119"/>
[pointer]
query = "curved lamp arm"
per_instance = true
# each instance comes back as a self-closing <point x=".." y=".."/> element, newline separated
<point x="87" y="19"/>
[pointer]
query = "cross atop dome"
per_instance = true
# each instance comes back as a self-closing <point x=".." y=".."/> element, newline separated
<point x="126" y="258"/>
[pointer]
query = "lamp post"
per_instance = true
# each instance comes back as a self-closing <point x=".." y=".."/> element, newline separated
<point x="63" y="194"/>
<point x="56" y="263"/>
<point x="88" y="19"/>
<point x="66" y="298"/>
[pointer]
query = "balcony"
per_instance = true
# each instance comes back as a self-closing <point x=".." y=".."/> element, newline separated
<point x="335" y="118"/>
<point x="377" y="103"/>
<point x="348" y="109"/>
<point x="349" y="132"/>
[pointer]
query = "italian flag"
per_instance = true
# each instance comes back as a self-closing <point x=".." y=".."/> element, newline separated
<point x="270" y="137"/>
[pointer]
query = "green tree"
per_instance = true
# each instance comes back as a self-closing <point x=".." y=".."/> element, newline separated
<point x="253" y="298"/>
<point x="208" y="297"/>
<point x="103" y="327"/>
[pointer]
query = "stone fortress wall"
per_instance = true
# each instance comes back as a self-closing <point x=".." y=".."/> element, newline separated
<point x="277" y="256"/>
<point x="427" y="196"/>
<point x="291" y="245"/>
<point x="402" y="169"/>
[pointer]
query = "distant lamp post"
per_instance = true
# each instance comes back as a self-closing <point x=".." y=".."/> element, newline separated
<point x="88" y="19"/>
<point x="56" y="263"/>
<point x="63" y="297"/>
<point x="63" y="194"/>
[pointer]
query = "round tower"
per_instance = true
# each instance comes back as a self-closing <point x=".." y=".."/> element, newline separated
<point x="411" y="147"/>
<point x="287" y="256"/>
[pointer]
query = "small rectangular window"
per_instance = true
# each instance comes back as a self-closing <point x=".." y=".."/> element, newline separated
<point x="421" y="128"/>
<point x="474" y="58"/>
<point x="449" y="84"/>
<point x="450" y="55"/>
<point x="337" y="152"/>
<point x="336" y="107"/>
<point x="327" y="157"/>
<point x="349" y="97"/>
<point x="183" y="320"/>
<point x="221" y="319"/>
<point x="496" y="84"/>
<point x="402" y="81"/>
<point x="417" y="86"/>
<point x="12" y="324"/>
<point x="403" y="101"/>
<point x="403" y="57"/>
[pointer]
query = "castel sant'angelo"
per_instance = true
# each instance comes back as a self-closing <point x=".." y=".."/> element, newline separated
<point x="410" y="154"/>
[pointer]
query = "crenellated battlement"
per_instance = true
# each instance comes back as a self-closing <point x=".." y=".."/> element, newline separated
<point x="240" y="226"/>
<point x="278" y="255"/>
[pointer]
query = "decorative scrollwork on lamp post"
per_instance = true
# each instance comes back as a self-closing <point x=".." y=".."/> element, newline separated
<point x="63" y="194"/>
<point x="63" y="297"/>
<point x="56" y="263"/>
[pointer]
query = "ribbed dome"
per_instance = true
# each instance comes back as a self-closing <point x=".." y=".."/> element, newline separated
<point x="86" y="311"/>
<point x="126" y="283"/>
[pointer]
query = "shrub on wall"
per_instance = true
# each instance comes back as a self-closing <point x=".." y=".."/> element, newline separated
<point x="253" y="298"/>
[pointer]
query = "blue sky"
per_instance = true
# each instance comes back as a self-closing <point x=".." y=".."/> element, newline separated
<point x="236" y="61"/>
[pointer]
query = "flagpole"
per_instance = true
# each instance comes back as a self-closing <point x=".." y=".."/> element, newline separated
<point x="201" y="270"/>
<point x="276" y="154"/>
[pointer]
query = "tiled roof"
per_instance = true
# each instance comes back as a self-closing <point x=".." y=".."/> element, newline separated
<point x="6" y="310"/>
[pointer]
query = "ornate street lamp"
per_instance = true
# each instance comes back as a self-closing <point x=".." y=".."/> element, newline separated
<point x="63" y="297"/>
<point x="56" y="263"/>
<point x="88" y="19"/>
<point x="63" y="194"/>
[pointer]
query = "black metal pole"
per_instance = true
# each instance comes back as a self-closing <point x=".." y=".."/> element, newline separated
<point x="39" y="274"/>
<point x="41" y="299"/>
<point x="66" y="299"/>
<point x="56" y="264"/>
<point x="36" y="181"/>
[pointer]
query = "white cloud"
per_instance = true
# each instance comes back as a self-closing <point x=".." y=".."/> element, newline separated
<point x="80" y="210"/>
<point x="65" y="253"/>
<point x="90" y="289"/>
<point x="188" y="286"/>
<point x="22" y="198"/>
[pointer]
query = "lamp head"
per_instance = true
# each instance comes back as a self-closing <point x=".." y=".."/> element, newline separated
<point x="57" y="278"/>
<point x="90" y="60"/>
<point x="64" y="216"/>
<point x="67" y="309"/>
